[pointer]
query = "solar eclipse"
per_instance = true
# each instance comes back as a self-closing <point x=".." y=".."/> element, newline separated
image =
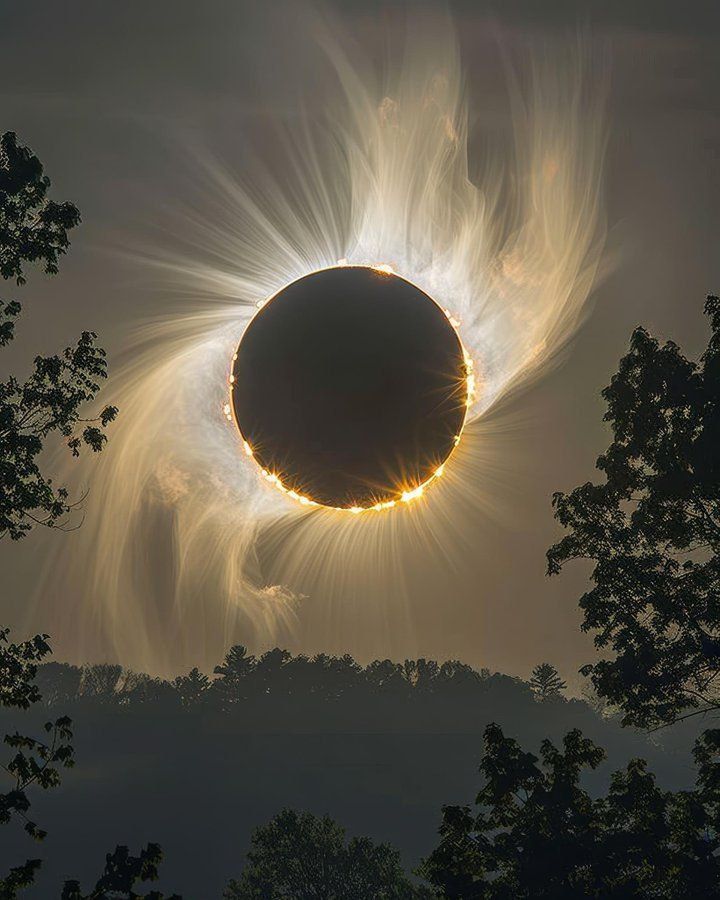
<point x="357" y="406"/>
<point x="350" y="388"/>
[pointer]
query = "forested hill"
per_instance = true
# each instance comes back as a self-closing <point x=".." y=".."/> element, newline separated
<point x="203" y="760"/>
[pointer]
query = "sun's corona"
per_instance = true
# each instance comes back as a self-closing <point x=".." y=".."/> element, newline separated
<point x="350" y="389"/>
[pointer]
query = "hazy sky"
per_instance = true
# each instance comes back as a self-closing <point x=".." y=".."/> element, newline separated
<point x="97" y="89"/>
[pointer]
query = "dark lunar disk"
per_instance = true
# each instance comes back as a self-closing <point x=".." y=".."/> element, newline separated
<point x="350" y="386"/>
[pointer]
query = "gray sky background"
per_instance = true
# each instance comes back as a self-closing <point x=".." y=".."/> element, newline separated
<point x="91" y="87"/>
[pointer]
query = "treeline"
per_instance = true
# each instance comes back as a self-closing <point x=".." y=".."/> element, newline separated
<point x="279" y="674"/>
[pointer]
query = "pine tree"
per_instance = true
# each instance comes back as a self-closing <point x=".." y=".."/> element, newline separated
<point x="546" y="683"/>
<point x="192" y="687"/>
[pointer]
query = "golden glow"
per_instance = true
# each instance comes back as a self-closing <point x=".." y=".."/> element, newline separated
<point x="397" y="149"/>
<point x="407" y="492"/>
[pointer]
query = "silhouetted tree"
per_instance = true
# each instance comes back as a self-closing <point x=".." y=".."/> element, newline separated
<point x="422" y="674"/>
<point x="546" y="683"/>
<point x="192" y="688"/>
<point x="270" y="675"/>
<point x="386" y="676"/>
<point x="652" y="530"/>
<point x="233" y="685"/>
<point x="304" y="677"/>
<point x="100" y="680"/>
<point x="277" y="674"/>
<point x="336" y="676"/>
<point x="137" y="687"/>
<point x="538" y="834"/>
<point x="597" y="703"/>
<point x="58" y="683"/>
<point x="457" y="677"/>
<point x="121" y="875"/>
<point x="34" y="228"/>
<point x="298" y="856"/>
<point x="35" y="762"/>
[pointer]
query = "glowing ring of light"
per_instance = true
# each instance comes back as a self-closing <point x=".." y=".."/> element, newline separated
<point x="403" y="493"/>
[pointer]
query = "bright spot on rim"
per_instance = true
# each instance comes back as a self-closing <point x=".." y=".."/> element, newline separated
<point x="350" y="388"/>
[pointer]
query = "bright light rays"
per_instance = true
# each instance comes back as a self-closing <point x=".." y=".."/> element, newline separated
<point x="186" y="547"/>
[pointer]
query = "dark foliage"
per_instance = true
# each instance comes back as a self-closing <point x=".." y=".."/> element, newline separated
<point x="50" y="401"/>
<point x="545" y="682"/>
<point x="274" y="676"/>
<point x="192" y="688"/>
<point x="37" y="762"/>
<point x="34" y="762"/>
<point x="18" y="668"/>
<point x="298" y="856"/>
<point x="331" y="677"/>
<point x="652" y="532"/>
<point x="18" y="878"/>
<point x="122" y="873"/>
<point x="538" y="833"/>
<point x="549" y="810"/>
<point x="33" y="228"/>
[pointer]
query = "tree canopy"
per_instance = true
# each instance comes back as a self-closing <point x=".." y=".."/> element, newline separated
<point x="537" y="833"/>
<point x="652" y="533"/>
<point x="299" y="856"/>
<point x="34" y="229"/>
<point x="123" y="873"/>
<point x="277" y="676"/>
